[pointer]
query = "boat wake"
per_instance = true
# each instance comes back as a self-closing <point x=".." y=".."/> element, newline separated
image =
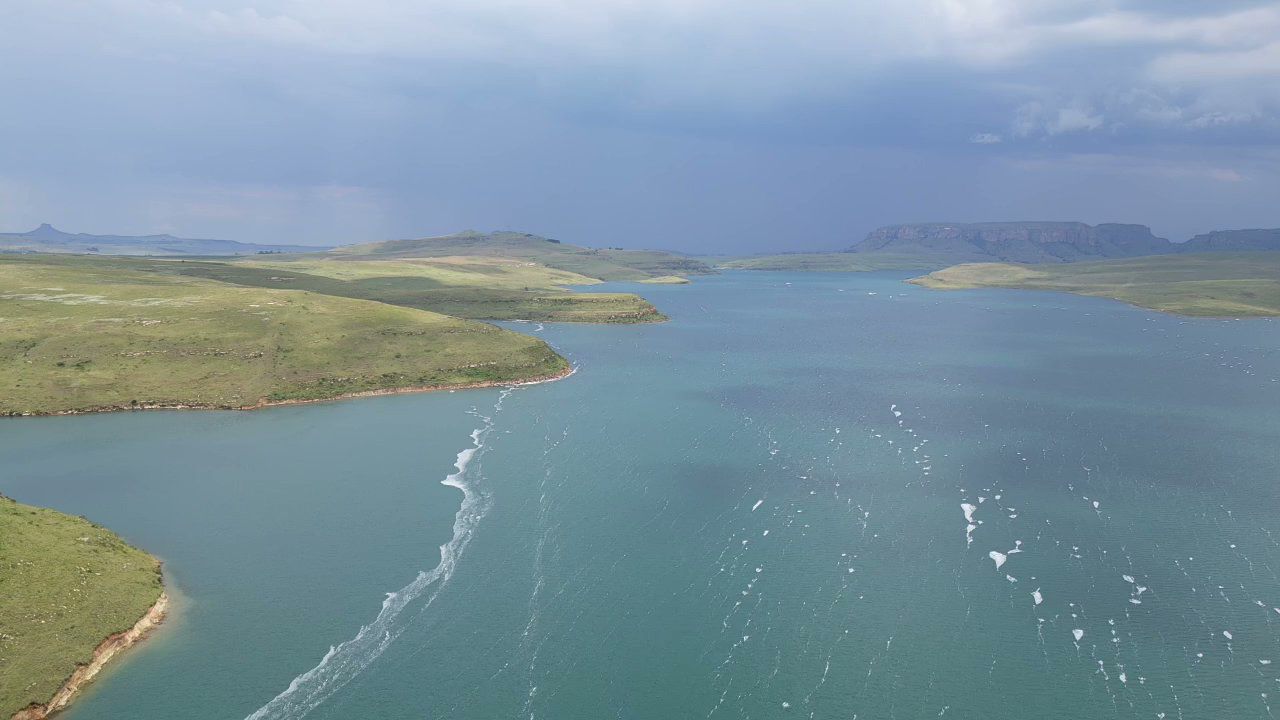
<point x="346" y="661"/>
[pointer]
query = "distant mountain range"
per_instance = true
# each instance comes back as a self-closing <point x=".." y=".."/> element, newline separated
<point x="1233" y="240"/>
<point x="1021" y="242"/>
<point x="48" y="239"/>
<point x="1048" y="242"/>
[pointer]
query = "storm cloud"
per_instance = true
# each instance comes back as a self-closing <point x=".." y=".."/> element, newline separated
<point x="704" y="125"/>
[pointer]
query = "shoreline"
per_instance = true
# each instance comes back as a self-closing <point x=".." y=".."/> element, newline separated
<point x="929" y="283"/>
<point x="264" y="404"/>
<point x="106" y="650"/>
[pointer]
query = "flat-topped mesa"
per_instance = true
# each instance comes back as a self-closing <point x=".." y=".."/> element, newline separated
<point x="1233" y="240"/>
<point x="1026" y="242"/>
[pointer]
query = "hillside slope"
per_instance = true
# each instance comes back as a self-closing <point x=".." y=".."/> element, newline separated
<point x="89" y="333"/>
<point x="609" y="264"/>
<point x="66" y="585"/>
<point x="1211" y="285"/>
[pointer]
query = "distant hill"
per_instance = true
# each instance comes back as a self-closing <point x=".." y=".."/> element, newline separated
<point x="48" y="239"/>
<point x="1023" y="242"/>
<point x="603" y="264"/>
<point x="1233" y="240"/>
<point x="1239" y="284"/>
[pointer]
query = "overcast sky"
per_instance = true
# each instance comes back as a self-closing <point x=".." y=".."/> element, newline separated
<point x="704" y="125"/>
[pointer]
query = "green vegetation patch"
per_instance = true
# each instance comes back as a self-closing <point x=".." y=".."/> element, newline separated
<point x="65" y="586"/>
<point x="453" y="271"/>
<point x="1209" y="285"/>
<point x="503" y="299"/>
<point x="603" y="264"/>
<point x="87" y="333"/>
<point x="484" y="289"/>
<point x="833" y="262"/>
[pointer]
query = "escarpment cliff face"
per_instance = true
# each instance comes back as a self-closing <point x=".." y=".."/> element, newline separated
<point x="108" y="649"/>
<point x="1023" y="242"/>
<point x="1233" y="241"/>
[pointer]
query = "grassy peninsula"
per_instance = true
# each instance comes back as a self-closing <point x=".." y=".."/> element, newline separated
<point x="486" y="276"/>
<point x="66" y="585"/>
<point x="601" y="263"/>
<point x="479" y="288"/>
<point x="1202" y="284"/>
<point x="91" y="333"/>
<point x="94" y="332"/>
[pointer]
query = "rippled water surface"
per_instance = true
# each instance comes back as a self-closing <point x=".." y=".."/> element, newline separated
<point x="827" y="496"/>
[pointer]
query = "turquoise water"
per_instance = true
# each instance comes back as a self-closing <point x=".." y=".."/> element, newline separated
<point x="757" y="510"/>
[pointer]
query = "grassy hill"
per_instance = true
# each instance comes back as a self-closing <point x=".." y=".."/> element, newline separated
<point x="602" y="264"/>
<point x="476" y="288"/>
<point x="1211" y="285"/>
<point x="82" y="333"/>
<point x="65" y="586"/>
<point x="481" y="276"/>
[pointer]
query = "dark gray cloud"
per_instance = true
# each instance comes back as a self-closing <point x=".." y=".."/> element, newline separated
<point x="701" y="124"/>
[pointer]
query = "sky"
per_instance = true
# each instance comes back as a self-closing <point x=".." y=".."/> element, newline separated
<point x="709" y="126"/>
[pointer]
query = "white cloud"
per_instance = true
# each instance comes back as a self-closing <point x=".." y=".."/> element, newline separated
<point x="1073" y="119"/>
<point x="1261" y="64"/>
<point x="735" y="54"/>
<point x="1225" y="175"/>
<point x="1036" y="118"/>
<point x="1221" y="119"/>
<point x="1165" y="165"/>
<point x="986" y="139"/>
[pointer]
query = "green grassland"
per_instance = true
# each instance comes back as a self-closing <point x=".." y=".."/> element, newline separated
<point x="832" y="262"/>
<point x="65" y="586"/>
<point x="437" y="292"/>
<point x="478" y="287"/>
<point x="603" y="264"/>
<point x="455" y="271"/>
<point x="1209" y="285"/>
<point x="84" y="333"/>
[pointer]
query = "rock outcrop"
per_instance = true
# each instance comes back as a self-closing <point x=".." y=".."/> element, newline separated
<point x="1023" y="242"/>
<point x="1233" y="241"/>
<point x="103" y="654"/>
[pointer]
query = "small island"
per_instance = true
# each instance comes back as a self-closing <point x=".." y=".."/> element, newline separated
<point x="73" y="595"/>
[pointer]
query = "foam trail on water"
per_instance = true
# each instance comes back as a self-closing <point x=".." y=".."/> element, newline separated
<point x="344" y="662"/>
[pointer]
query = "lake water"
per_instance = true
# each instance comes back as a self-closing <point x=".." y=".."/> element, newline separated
<point x="758" y="510"/>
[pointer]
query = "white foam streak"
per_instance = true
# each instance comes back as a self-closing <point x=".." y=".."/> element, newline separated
<point x="344" y="662"/>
